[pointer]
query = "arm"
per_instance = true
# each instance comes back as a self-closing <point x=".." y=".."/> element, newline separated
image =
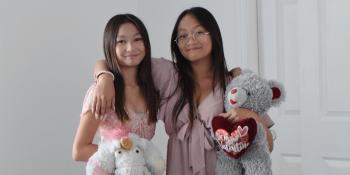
<point x="83" y="147"/>
<point x="104" y="92"/>
<point x="238" y="114"/>
<point x="269" y="137"/>
<point x="104" y="97"/>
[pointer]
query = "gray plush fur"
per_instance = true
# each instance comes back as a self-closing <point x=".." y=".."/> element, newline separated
<point x="256" y="160"/>
<point x="260" y="99"/>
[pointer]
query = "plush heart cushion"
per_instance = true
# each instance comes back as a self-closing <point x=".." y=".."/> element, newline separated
<point x="234" y="138"/>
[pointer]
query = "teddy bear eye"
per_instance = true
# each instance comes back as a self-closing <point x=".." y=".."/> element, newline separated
<point x="246" y="91"/>
<point x="119" y="152"/>
<point x="137" y="151"/>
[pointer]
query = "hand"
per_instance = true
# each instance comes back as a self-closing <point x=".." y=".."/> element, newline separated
<point x="238" y="114"/>
<point x="104" y="97"/>
<point x="235" y="72"/>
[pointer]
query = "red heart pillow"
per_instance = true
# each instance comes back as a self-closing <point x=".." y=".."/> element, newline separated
<point x="234" y="138"/>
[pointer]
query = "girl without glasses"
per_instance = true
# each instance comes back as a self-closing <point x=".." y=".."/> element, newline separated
<point x="128" y="58"/>
<point x="192" y="90"/>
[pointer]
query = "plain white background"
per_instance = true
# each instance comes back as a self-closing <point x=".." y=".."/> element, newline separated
<point x="47" y="53"/>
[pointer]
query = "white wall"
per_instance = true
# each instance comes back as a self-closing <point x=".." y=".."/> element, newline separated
<point x="47" y="52"/>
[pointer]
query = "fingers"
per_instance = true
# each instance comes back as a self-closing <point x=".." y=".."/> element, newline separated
<point x="221" y="114"/>
<point x="106" y="106"/>
<point x="231" y="115"/>
<point x="236" y="71"/>
<point x="110" y="105"/>
<point x="102" y="117"/>
<point x="98" y="109"/>
<point x="93" y="107"/>
<point x="225" y="115"/>
<point x="113" y="103"/>
<point x="103" y="106"/>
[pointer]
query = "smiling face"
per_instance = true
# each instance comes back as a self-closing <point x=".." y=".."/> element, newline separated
<point x="130" y="48"/>
<point x="193" y="39"/>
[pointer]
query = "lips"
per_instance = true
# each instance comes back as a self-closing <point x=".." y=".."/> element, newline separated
<point x="133" y="55"/>
<point x="193" y="49"/>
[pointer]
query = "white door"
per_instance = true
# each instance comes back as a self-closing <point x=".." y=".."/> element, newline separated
<point x="306" y="45"/>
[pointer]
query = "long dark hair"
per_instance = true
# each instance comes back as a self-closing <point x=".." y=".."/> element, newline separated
<point x="144" y="69"/>
<point x="186" y="80"/>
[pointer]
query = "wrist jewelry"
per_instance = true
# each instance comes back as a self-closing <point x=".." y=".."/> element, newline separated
<point x="103" y="72"/>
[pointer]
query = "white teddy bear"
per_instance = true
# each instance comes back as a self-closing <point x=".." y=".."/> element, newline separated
<point x="129" y="159"/>
<point x="131" y="155"/>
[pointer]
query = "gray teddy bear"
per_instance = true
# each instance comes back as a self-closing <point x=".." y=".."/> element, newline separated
<point x="250" y="91"/>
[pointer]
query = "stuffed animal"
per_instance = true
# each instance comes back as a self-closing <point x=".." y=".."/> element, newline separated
<point x="130" y="155"/>
<point x="243" y="146"/>
<point x="129" y="159"/>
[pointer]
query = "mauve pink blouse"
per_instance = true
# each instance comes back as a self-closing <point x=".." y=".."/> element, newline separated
<point x="190" y="150"/>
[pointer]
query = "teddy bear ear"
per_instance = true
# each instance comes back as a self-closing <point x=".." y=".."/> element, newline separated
<point x="278" y="92"/>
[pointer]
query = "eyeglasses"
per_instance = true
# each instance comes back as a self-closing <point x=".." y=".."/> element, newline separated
<point x="184" y="38"/>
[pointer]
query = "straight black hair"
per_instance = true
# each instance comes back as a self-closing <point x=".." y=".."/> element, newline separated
<point x="144" y="69"/>
<point x="183" y="66"/>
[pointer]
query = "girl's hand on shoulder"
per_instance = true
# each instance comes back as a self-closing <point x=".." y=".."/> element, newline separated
<point x="238" y="114"/>
<point x="104" y="96"/>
